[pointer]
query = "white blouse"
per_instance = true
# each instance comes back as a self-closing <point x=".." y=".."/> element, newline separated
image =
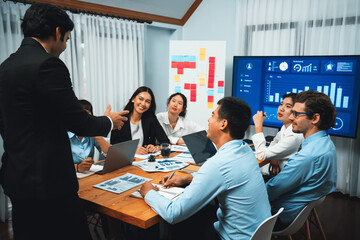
<point x="285" y="144"/>
<point x="182" y="127"/>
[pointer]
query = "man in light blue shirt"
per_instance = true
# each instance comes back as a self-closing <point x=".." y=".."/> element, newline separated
<point x="232" y="176"/>
<point x="312" y="172"/>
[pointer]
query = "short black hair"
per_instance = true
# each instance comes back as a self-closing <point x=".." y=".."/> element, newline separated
<point x="238" y="114"/>
<point x="183" y="113"/>
<point x="317" y="102"/>
<point x="42" y="19"/>
<point x="86" y="105"/>
<point x="130" y="105"/>
<point x="290" y="95"/>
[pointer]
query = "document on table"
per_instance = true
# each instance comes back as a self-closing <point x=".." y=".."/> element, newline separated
<point x="146" y="156"/>
<point x="94" y="168"/>
<point x="179" y="148"/>
<point x="162" y="165"/>
<point x="170" y="193"/>
<point x="122" y="183"/>
<point x="184" y="157"/>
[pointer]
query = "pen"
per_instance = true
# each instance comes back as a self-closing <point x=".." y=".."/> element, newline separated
<point x="171" y="175"/>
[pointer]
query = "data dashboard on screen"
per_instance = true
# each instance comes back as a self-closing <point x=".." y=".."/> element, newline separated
<point x="262" y="81"/>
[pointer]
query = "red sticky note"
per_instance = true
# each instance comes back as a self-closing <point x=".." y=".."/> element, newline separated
<point x="174" y="64"/>
<point x="211" y="72"/>
<point x="186" y="65"/>
<point x="193" y="86"/>
<point x="180" y="71"/>
<point x="220" y="83"/>
<point x="211" y="59"/>
<point x="193" y="98"/>
<point x="210" y="98"/>
<point x="187" y="86"/>
<point x="180" y="64"/>
<point x="210" y="84"/>
<point x="212" y="66"/>
<point x="192" y="65"/>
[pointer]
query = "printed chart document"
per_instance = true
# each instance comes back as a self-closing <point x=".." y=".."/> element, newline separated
<point x="184" y="157"/>
<point x="146" y="156"/>
<point x="179" y="148"/>
<point x="162" y="165"/>
<point x="93" y="169"/>
<point x="122" y="183"/>
<point x="170" y="193"/>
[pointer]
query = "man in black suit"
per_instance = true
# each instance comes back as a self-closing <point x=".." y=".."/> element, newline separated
<point x="37" y="108"/>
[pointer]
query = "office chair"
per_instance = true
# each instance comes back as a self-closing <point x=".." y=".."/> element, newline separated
<point x="305" y="216"/>
<point x="264" y="230"/>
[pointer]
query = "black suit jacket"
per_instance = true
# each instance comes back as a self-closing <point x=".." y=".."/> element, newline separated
<point x="152" y="131"/>
<point x="37" y="108"/>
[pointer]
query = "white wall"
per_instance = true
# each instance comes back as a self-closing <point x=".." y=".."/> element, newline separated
<point x="213" y="20"/>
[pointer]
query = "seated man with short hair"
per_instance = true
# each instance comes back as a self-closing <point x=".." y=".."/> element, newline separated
<point x="312" y="172"/>
<point x="232" y="176"/>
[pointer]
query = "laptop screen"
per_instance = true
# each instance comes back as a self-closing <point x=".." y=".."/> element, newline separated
<point x="200" y="147"/>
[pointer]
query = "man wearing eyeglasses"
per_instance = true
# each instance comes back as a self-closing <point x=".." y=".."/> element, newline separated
<point x="312" y="172"/>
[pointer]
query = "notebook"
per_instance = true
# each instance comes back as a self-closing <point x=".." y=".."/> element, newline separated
<point x="170" y="193"/>
<point x="119" y="155"/>
<point x="200" y="147"/>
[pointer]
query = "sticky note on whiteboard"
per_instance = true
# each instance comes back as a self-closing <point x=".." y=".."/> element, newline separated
<point x="177" y="78"/>
<point x="210" y="105"/>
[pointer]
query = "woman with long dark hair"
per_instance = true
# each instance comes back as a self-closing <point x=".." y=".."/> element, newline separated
<point x="142" y="123"/>
<point x="174" y="122"/>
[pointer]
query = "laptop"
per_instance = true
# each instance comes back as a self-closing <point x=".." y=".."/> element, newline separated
<point x="119" y="155"/>
<point x="200" y="147"/>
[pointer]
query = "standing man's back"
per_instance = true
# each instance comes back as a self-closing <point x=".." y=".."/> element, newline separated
<point x="37" y="108"/>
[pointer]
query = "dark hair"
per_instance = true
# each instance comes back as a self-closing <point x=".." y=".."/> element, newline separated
<point x="42" y="19"/>
<point x="317" y="102"/>
<point x="238" y="114"/>
<point x="183" y="113"/>
<point x="86" y="105"/>
<point x="130" y="105"/>
<point x="290" y="95"/>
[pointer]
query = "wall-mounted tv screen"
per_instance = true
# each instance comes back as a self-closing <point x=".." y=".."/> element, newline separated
<point x="261" y="82"/>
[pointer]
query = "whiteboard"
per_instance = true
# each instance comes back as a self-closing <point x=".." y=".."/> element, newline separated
<point x="197" y="70"/>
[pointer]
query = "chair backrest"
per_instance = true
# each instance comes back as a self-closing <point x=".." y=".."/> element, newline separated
<point x="264" y="230"/>
<point x="300" y="219"/>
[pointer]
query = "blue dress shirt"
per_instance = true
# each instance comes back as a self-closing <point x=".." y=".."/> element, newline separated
<point x="309" y="175"/>
<point x="82" y="149"/>
<point x="233" y="176"/>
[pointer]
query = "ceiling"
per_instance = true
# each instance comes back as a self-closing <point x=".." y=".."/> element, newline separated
<point x="166" y="11"/>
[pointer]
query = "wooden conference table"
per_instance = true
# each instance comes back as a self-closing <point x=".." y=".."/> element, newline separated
<point x="121" y="206"/>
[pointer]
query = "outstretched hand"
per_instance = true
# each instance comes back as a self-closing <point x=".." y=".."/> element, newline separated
<point x="117" y="118"/>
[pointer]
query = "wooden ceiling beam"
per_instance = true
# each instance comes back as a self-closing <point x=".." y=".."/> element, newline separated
<point x="120" y="12"/>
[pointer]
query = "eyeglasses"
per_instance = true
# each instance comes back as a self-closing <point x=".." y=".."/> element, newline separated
<point x="296" y="114"/>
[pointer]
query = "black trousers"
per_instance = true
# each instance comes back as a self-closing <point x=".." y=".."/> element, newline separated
<point x="61" y="218"/>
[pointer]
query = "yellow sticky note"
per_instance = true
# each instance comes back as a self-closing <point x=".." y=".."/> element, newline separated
<point x="202" y="57"/>
<point x="202" y="51"/>
<point x="210" y="105"/>
<point x="177" y="78"/>
<point x="202" y="81"/>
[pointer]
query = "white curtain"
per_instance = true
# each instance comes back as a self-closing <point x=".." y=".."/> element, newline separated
<point x="10" y="39"/>
<point x="105" y="58"/>
<point x="307" y="27"/>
